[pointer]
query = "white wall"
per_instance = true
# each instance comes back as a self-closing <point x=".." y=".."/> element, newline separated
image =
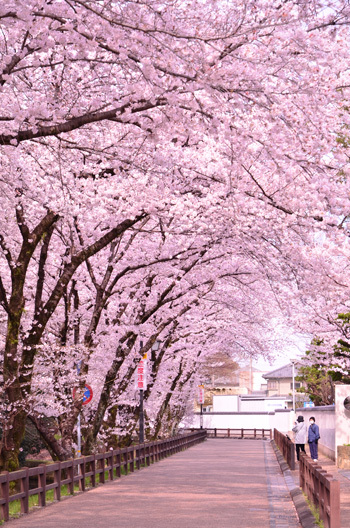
<point x="342" y="420"/>
<point x="333" y="421"/>
<point x="281" y="420"/>
<point x="233" y="403"/>
<point x="225" y="403"/>
<point x="264" y="420"/>
<point x="261" y="405"/>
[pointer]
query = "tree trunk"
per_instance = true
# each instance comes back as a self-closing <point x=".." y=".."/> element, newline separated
<point x="49" y="435"/>
<point x="18" y="365"/>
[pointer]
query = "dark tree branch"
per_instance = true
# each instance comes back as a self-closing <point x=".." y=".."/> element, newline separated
<point x="21" y="221"/>
<point x="41" y="271"/>
<point x="3" y="297"/>
<point x="78" y="122"/>
<point x="69" y="269"/>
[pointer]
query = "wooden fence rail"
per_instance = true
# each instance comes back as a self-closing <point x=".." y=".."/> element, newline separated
<point x="322" y="490"/>
<point x="54" y="476"/>
<point x="235" y="433"/>
<point x="286" y="446"/>
<point x="239" y="433"/>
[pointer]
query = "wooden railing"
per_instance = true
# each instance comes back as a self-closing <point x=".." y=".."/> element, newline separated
<point x="109" y="464"/>
<point x="321" y="489"/>
<point x="235" y="433"/>
<point x="286" y="446"/>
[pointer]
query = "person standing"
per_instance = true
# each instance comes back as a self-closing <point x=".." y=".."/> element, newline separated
<point x="300" y="432"/>
<point x="313" y="438"/>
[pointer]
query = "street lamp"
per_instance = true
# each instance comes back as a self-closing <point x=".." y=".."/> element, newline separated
<point x="155" y="347"/>
<point x="293" y="361"/>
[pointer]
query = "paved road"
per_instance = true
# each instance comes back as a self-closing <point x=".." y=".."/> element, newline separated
<point x="217" y="484"/>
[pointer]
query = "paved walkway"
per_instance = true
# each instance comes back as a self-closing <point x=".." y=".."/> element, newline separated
<point x="217" y="484"/>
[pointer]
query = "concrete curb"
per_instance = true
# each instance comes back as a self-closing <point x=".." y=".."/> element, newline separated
<point x="307" y="520"/>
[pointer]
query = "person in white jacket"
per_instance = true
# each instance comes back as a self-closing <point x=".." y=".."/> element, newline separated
<point x="300" y="432"/>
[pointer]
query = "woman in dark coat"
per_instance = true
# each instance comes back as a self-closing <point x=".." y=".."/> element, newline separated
<point x="313" y="438"/>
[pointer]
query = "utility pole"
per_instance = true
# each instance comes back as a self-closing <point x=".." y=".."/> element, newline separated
<point x="251" y="375"/>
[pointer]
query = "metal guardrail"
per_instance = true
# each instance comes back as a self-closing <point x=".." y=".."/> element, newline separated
<point x="286" y="446"/>
<point x="235" y="433"/>
<point x="54" y="476"/>
<point x="321" y="489"/>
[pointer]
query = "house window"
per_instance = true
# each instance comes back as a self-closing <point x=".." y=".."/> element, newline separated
<point x="296" y="385"/>
<point x="272" y="384"/>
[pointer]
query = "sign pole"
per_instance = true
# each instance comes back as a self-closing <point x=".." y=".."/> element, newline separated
<point x="79" y="422"/>
<point x="142" y="420"/>
<point x="86" y="398"/>
<point x="201" y="399"/>
<point x="142" y="417"/>
<point x="79" y="436"/>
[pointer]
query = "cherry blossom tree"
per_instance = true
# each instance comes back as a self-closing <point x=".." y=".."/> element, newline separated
<point x="167" y="169"/>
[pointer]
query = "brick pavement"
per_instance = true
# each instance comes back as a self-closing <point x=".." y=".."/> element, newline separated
<point x="282" y="513"/>
<point x="220" y="483"/>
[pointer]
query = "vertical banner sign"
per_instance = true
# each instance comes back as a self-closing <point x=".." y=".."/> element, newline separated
<point x="142" y="374"/>
<point x="201" y="394"/>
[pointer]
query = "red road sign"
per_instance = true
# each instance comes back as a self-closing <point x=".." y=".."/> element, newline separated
<point x="87" y="396"/>
<point x="142" y="374"/>
<point x="201" y="394"/>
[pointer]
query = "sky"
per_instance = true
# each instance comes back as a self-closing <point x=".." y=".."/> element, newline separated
<point x="283" y="357"/>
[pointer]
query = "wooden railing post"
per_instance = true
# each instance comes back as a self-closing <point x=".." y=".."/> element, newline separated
<point x="102" y="470"/>
<point x="126" y="464"/>
<point x="132" y="461"/>
<point x="70" y="473"/>
<point x="138" y="457"/>
<point x="93" y="471"/>
<point x="42" y="485"/>
<point x="334" y="504"/>
<point x="82" y="466"/>
<point x="292" y="455"/>
<point x="110" y="465"/>
<point x="57" y="480"/>
<point x="119" y="464"/>
<point x="5" y="495"/>
<point x="24" y="487"/>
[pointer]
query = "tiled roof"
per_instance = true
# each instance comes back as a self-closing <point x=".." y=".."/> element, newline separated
<point x="283" y="372"/>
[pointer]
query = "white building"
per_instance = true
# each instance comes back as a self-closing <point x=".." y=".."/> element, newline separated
<point x="247" y="403"/>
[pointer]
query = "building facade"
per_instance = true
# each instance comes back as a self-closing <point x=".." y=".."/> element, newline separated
<point x="280" y="381"/>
